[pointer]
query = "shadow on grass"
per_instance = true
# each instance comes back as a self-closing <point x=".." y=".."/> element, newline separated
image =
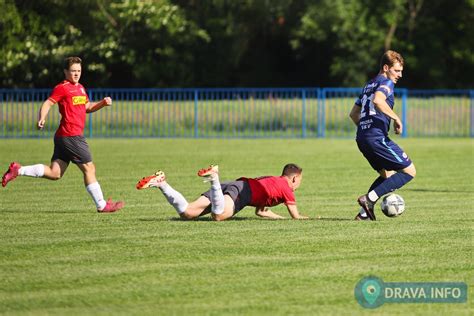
<point x="48" y="211"/>
<point x="209" y="219"/>
<point x="199" y="219"/>
<point x="335" y="219"/>
<point x="439" y="190"/>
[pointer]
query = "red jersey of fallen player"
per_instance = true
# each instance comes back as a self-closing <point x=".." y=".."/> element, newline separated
<point x="270" y="191"/>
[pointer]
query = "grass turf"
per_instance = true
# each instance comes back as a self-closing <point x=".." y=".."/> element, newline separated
<point x="58" y="256"/>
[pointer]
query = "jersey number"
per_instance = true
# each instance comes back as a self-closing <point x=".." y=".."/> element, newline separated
<point x="372" y="111"/>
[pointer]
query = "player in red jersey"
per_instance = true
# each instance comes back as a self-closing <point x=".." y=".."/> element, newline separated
<point x="69" y="142"/>
<point x="227" y="199"/>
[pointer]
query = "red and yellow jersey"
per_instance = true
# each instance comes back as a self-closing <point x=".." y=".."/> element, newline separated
<point x="72" y="100"/>
<point x="270" y="191"/>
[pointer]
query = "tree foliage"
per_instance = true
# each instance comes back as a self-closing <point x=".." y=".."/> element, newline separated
<point x="177" y="43"/>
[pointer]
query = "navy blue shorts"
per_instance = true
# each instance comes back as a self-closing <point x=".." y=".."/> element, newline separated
<point x="383" y="153"/>
<point x="238" y="190"/>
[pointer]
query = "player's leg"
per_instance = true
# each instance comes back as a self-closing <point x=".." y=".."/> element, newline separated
<point x="52" y="172"/>
<point x="384" y="174"/>
<point x="91" y="184"/>
<point x="95" y="191"/>
<point x="211" y="174"/>
<point x="56" y="170"/>
<point x="392" y="158"/>
<point x="197" y="208"/>
<point x="366" y="211"/>
<point x="228" y="210"/>
<point x="394" y="182"/>
<point x="175" y="198"/>
<point x="222" y="205"/>
<point x="77" y="151"/>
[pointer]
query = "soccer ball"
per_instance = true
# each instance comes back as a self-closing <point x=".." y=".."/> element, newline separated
<point x="392" y="205"/>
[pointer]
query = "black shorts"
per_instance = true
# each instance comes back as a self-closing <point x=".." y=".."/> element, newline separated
<point x="71" y="148"/>
<point x="239" y="192"/>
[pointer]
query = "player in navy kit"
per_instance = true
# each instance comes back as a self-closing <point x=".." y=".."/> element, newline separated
<point x="372" y="113"/>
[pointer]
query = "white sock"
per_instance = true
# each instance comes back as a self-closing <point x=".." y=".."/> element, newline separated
<point x="32" y="171"/>
<point x="373" y="197"/>
<point x="175" y="198"/>
<point x="217" y="197"/>
<point x="96" y="193"/>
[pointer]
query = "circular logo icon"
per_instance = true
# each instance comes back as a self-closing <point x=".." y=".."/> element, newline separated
<point x="369" y="292"/>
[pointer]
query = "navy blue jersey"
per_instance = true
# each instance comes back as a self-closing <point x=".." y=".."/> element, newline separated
<point x="374" y="123"/>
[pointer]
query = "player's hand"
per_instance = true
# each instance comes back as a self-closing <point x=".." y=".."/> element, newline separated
<point x="40" y="124"/>
<point x="398" y="126"/>
<point x="108" y="101"/>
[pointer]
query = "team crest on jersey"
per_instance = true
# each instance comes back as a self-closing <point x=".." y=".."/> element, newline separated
<point x="79" y="100"/>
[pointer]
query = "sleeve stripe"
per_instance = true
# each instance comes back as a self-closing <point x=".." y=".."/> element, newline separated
<point x="386" y="88"/>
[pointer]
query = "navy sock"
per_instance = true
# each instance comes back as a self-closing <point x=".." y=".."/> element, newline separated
<point x="396" y="181"/>
<point x="376" y="183"/>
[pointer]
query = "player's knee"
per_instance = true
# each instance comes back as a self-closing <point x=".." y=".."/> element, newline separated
<point x="187" y="216"/>
<point x="219" y="217"/>
<point x="411" y="170"/>
<point x="413" y="173"/>
<point x="55" y="176"/>
<point x="388" y="174"/>
<point x="89" y="168"/>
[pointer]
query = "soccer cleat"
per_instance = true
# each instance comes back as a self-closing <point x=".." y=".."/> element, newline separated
<point x="368" y="206"/>
<point x="208" y="173"/>
<point x="111" y="206"/>
<point x="11" y="173"/>
<point x="152" y="181"/>
<point x="361" y="218"/>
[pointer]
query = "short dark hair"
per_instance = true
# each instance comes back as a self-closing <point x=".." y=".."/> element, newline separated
<point x="69" y="61"/>
<point x="390" y="58"/>
<point x="291" y="169"/>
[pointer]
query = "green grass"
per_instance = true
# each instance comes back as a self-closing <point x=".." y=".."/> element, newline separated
<point x="59" y="257"/>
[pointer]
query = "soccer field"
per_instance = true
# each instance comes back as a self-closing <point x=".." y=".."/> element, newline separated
<point x="59" y="257"/>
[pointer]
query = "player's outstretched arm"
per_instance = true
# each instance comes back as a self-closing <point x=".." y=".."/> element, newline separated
<point x="267" y="213"/>
<point x="96" y="106"/>
<point x="293" y="210"/>
<point x="43" y="113"/>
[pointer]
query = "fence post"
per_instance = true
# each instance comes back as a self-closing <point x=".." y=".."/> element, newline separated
<point x="471" y="92"/>
<point x="321" y="112"/>
<point x="303" y="116"/>
<point x="196" y="95"/>
<point x="90" y="114"/>
<point x="3" y="120"/>
<point x="404" y="113"/>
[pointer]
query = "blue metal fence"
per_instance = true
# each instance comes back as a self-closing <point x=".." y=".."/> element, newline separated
<point x="239" y="113"/>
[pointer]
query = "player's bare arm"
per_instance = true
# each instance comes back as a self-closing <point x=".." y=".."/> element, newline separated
<point x="267" y="213"/>
<point x="43" y="113"/>
<point x="96" y="106"/>
<point x="355" y="114"/>
<point x="381" y="104"/>
<point x="293" y="210"/>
